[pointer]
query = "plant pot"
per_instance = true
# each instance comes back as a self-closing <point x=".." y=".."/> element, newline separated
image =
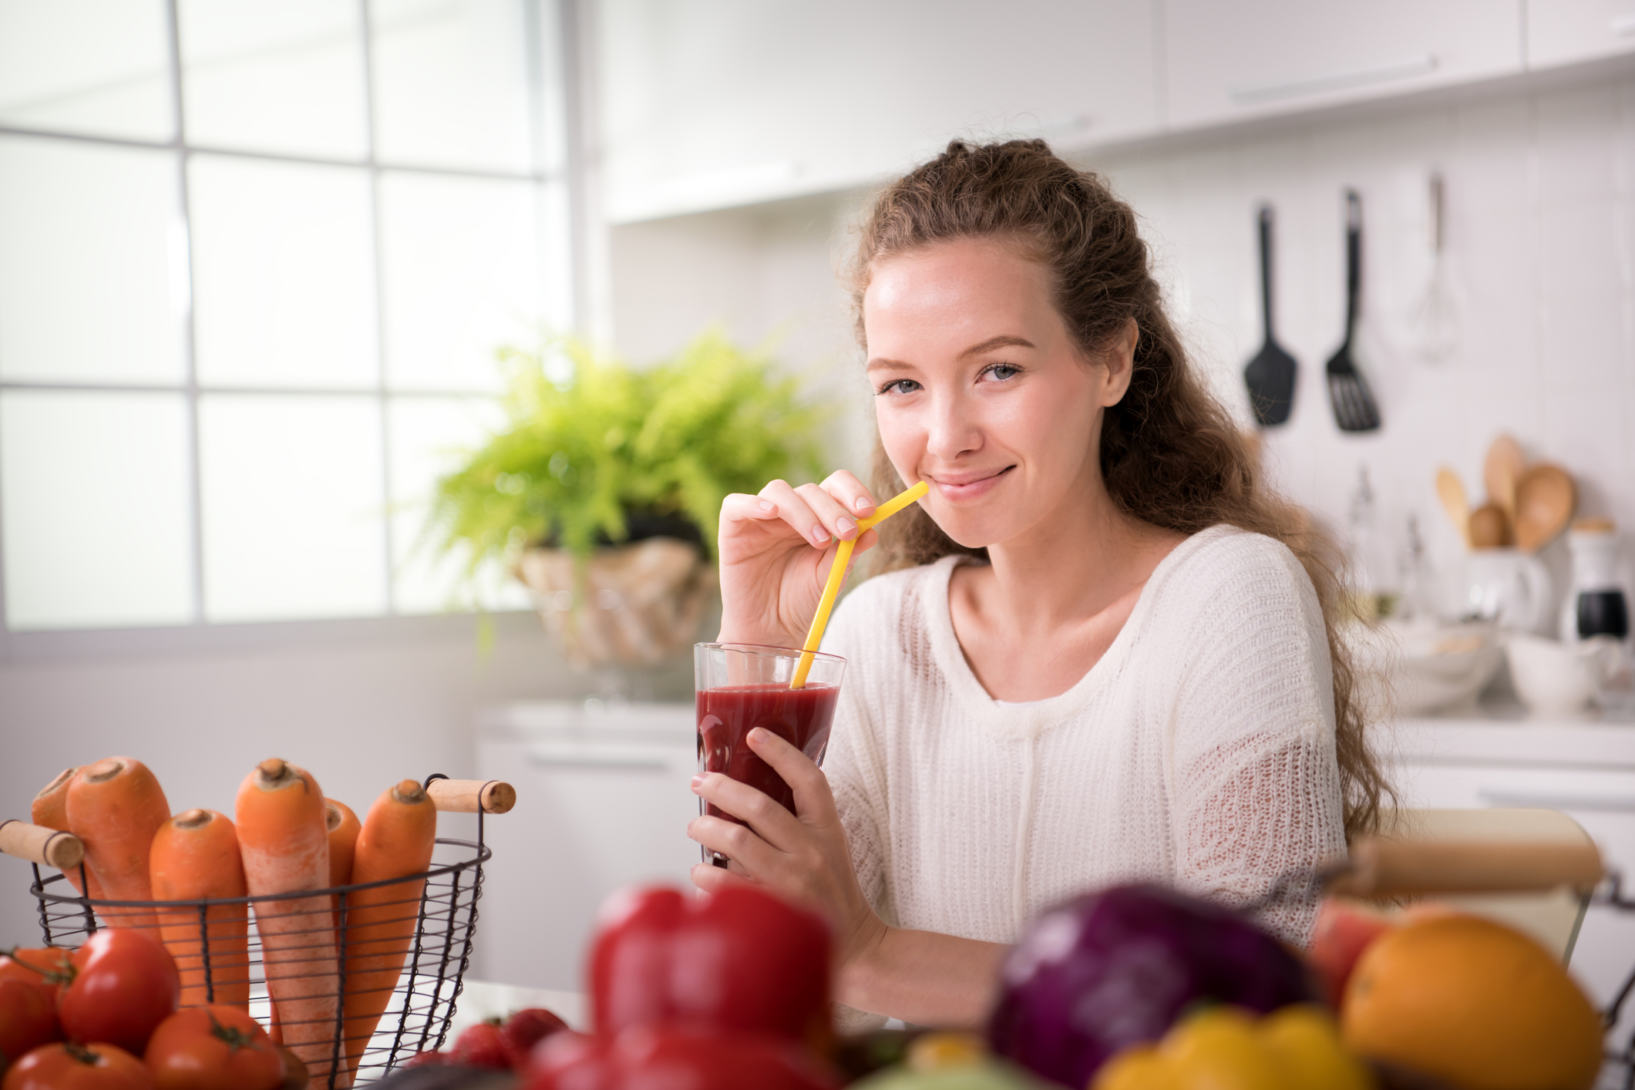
<point x="624" y="605"/>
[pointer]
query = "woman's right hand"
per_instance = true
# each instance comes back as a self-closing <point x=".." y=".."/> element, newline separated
<point x="776" y="548"/>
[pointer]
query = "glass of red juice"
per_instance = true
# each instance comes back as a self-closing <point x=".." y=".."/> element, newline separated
<point x="741" y="686"/>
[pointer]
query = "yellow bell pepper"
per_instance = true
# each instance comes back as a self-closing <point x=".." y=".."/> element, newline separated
<point x="1223" y="1048"/>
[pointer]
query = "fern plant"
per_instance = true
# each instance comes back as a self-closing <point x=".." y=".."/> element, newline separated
<point x="591" y="443"/>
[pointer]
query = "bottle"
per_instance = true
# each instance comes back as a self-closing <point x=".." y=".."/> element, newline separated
<point x="1596" y="603"/>
<point x="1372" y="566"/>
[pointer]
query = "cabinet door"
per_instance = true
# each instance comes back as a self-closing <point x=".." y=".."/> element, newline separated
<point x="1603" y="802"/>
<point x="1564" y="31"/>
<point x="1226" y="62"/>
<point x="708" y="103"/>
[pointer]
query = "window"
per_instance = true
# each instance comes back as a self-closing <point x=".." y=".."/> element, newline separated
<point x="254" y="263"/>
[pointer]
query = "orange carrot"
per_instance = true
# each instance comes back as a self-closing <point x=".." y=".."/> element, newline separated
<point x="285" y="849"/>
<point x="343" y="827"/>
<point x="50" y="809"/>
<point x="195" y="857"/>
<point x="115" y="806"/>
<point x="398" y="835"/>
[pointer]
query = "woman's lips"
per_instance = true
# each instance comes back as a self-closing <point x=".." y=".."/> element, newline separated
<point x="967" y="488"/>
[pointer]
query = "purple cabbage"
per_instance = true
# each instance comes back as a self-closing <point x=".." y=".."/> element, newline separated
<point x="1115" y="968"/>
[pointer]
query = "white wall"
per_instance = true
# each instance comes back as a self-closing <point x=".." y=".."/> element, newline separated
<point x="1540" y="241"/>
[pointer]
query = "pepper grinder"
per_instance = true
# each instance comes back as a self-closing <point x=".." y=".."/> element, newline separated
<point x="1596" y="603"/>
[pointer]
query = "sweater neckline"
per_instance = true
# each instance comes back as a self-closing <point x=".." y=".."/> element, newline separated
<point x="1028" y="716"/>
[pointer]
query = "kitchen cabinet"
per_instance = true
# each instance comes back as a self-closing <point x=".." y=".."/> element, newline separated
<point x="709" y="103"/>
<point x="1230" y="62"/>
<point x="603" y="801"/>
<point x="1584" y="768"/>
<point x="1567" y="31"/>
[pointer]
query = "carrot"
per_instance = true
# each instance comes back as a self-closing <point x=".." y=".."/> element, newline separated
<point x="195" y="857"/>
<point x="398" y="835"/>
<point x="285" y="849"/>
<point x="343" y="827"/>
<point x="115" y="806"/>
<point x="50" y="809"/>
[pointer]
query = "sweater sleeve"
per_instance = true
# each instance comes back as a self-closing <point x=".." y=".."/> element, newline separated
<point x="852" y="763"/>
<point x="1254" y="779"/>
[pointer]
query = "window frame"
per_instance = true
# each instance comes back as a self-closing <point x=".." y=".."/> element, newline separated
<point x="198" y="633"/>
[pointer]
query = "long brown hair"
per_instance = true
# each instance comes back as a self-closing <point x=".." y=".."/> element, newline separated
<point x="1171" y="455"/>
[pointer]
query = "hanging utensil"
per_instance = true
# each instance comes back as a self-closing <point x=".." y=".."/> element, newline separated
<point x="1270" y="375"/>
<point x="1501" y="470"/>
<point x="1436" y="320"/>
<point x="1354" y="407"/>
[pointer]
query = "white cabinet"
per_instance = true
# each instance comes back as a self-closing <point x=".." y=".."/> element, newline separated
<point x="603" y="801"/>
<point x="1227" y="62"/>
<point x="1586" y="770"/>
<point x="707" y="103"/>
<point x="1567" y="31"/>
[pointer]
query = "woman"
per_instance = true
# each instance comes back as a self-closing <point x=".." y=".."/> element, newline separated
<point x="1102" y="651"/>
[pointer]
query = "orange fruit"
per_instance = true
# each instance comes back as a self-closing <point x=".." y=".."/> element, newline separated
<point x="1474" y="1003"/>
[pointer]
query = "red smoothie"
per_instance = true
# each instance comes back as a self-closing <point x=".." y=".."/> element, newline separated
<point x="726" y="715"/>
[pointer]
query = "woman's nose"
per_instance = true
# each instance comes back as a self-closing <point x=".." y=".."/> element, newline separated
<point x="952" y="429"/>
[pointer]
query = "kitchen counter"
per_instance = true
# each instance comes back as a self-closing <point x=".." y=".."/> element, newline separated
<point x="1505" y="733"/>
<point x="480" y="999"/>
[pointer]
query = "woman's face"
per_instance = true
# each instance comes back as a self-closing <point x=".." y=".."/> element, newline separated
<point x="980" y="390"/>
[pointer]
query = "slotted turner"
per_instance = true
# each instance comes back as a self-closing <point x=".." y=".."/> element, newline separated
<point x="1270" y="375"/>
<point x="1354" y="407"/>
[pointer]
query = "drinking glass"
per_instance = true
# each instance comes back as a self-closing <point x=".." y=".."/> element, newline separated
<point x="740" y="686"/>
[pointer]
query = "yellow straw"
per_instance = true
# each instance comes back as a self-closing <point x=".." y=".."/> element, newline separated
<point x="837" y="574"/>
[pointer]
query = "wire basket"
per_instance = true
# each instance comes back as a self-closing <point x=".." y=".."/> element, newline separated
<point x="401" y="946"/>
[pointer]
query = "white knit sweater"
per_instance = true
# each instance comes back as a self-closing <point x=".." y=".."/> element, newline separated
<point x="1198" y="751"/>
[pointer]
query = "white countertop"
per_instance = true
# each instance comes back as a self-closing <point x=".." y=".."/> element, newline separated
<point x="1504" y="733"/>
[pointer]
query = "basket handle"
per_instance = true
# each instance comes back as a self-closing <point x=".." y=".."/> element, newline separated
<point x="37" y="844"/>
<point x="1388" y="867"/>
<point x="469" y="796"/>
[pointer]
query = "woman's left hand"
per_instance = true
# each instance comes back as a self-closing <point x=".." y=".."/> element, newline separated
<point x="801" y="856"/>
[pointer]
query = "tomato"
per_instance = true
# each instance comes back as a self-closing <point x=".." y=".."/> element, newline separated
<point x="78" y="1067"/>
<point x="122" y="984"/>
<point x="213" y="1047"/>
<point x="28" y="1019"/>
<point x="34" y="966"/>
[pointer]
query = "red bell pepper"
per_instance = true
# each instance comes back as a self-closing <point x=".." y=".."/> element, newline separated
<point x="739" y="959"/>
<point x="670" y="1058"/>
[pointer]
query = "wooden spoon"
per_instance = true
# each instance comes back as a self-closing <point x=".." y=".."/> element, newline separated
<point x="1489" y="527"/>
<point x="1545" y="498"/>
<point x="1500" y="472"/>
<point x="1452" y="494"/>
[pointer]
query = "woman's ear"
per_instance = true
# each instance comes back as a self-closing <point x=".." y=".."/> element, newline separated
<point x="1118" y="363"/>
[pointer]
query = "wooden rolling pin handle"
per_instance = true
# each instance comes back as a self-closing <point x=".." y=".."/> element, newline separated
<point x="37" y="844"/>
<point x="1390" y="868"/>
<point x="467" y="796"/>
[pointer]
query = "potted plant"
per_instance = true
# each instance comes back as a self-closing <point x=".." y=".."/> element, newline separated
<point x="602" y="488"/>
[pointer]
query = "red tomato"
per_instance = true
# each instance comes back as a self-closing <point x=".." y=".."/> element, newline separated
<point x="34" y="966"/>
<point x="78" y="1067"/>
<point x="212" y="1048"/>
<point x="123" y="983"/>
<point x="28" y="1019"/>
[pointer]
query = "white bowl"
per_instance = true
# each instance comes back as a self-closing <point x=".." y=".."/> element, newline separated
<point x="1423" y="668"/>
<point x="1552" y="677"/>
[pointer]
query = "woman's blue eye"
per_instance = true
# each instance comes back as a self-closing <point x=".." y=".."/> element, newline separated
<point x="899" y="386"/>
<point x="1003" y="371"/>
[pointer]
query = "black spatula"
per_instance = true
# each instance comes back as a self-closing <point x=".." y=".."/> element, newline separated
<point x="1270" y="375"/>
<point x="1354" y="406"/>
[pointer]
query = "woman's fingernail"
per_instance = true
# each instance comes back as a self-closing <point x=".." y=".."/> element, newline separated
<point x="845" y="526"/>
<point x="698" y="781"/>
<point x="820" y="536"/>
<point x="758" y="734"/>
<point x="767" y="506"/>
<point x="861" y="503"/>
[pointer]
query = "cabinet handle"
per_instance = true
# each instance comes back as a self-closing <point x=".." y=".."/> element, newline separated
<point x="1622" y="26"/>
<point x="654" y="760"/>
<point x="1542" y="800"/>
<point x="1339" y="81"/>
